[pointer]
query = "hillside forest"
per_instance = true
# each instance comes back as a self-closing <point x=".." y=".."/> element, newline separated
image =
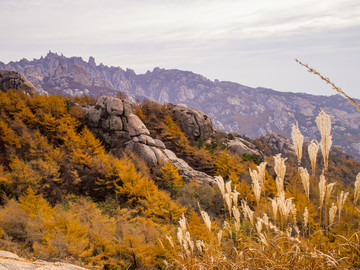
<point x="67" y="196"/>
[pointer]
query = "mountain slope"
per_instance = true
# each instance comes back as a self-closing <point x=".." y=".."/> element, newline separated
<point x="233" y="107"/>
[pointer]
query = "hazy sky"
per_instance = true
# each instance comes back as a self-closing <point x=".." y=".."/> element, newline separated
<point x="250" y="42"/>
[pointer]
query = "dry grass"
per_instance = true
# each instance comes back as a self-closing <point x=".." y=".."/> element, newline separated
<point x="297" y="236"/>
<point x="327" y="80"/>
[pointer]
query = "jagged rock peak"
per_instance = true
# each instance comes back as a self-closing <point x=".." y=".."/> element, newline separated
<point x="92" y="61"/>
<point x="13" y="80"/>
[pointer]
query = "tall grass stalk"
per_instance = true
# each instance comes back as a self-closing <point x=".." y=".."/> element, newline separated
<point x="250" y="239"/>
<point x="327" y="80"/>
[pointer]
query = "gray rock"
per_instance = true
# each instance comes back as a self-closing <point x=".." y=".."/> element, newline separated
<point x="159" y="144"/>
<point x="93" y="116"/>
<point x="241" y="147"/>
<point x="101" y="102"/>
<point x="143" y="151"/>
<point x="119" y="138"/>
<point x="278" y="144"/>
<point x="160" y="156"/>
<point x="13" y="80"/>
<point x="105" y="123"/>
<point x="127" y="107"/>
<point x="10" y="261"/>
<point x="145" y="139"/>
<point x="193" y="123"/>
<point x="116" y="123"/>
<point x="186" y="171"/>
<point x="114" y="106"/>
<point x="135" y="126"/>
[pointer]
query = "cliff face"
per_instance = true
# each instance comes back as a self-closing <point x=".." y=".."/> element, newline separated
<point x="232" y="107"/>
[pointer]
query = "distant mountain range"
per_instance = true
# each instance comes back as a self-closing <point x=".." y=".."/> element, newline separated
<point x="233" y="107"/>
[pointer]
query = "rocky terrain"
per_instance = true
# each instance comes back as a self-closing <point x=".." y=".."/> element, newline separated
<point x="234" y="107"/>
<point x="11" y="261"/>
<point x="14" y="80"/>
<point x="113" y="121"/>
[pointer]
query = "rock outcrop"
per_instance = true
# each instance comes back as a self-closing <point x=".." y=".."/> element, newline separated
<point x="14" y="80"/>
<point x="193" y="123"/>
<point x="113" y="120"/>
<point x="11" y="261"/>
<point x="241" y="147"/>
<point x="278" y="144"/>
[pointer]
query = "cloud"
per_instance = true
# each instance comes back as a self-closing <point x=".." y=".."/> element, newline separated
<point x="210" y="36"/>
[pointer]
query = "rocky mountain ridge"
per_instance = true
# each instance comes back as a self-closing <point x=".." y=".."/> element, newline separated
<point x="232" y="107"/>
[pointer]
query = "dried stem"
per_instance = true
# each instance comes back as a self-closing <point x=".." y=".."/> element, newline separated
<point x="327" y="80"/>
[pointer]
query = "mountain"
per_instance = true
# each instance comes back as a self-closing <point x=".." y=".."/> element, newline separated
<point x="233" y="107"/>
<point x="103" y="184"/>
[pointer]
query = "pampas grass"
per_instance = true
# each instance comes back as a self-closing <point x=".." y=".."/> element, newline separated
<point x="313" y="150"/>
<point x="323" y="122"/>
<point x="250" y="239"/>
<point x="298" y="140"/>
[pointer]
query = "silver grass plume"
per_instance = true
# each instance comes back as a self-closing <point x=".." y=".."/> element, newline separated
<point x="322" y="189"/>
<point x="259" y="225"/>
<point x="279" y="185"/>
<point x="235" y="197"/>
<point x="313" y="150"/>
<point x="265" y="220"/>
<point x="274" y="207"/>
<point x="206" y="219"/>
<point x="200" y="245"/>
<point x="329" y="190"/>
<point x="169" y="238"/>
<point x="341" y="201"/>
<point x="285" y="205"/>
<point x="228" y="187"/>
<point x="306" y="218"/>
<point x="219" y="236"/>
<point x="280" y="167"/>
<point x="332" y="213"/>
<point x="248" y="212"/>
<point x="236" y="214"/>
<point x="261" y="169"/>
<point x="228" y="202"/>
<point x="323" y="122"/>
<point x="189" y="241"/>
<point x="298" y="140"/>
<point x="256" y="186"/>
<point x="357" y="189"/>
<point x="305" y="179"/>
<point x="220" y="182"/>
<point x="182" y="222"/>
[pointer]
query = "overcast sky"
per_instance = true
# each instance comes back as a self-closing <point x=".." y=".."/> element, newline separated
<point x="252" y="42"/>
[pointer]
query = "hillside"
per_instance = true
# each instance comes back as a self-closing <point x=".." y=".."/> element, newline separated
<point x="232" y="107"/>
<point x="104" y="184"/>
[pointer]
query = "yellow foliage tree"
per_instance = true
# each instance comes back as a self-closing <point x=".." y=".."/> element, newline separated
<point x="229" y="166"/>
<point x="170" y="178"/>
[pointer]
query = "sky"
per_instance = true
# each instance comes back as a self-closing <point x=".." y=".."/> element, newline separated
<point x="251" y="42"/>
